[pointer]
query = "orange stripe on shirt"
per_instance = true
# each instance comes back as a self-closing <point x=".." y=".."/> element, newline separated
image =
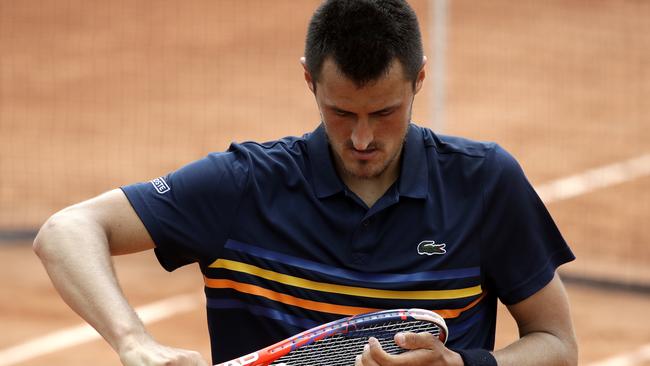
<point x="287" y="299"/>
<point x="455" y="313"/>
<point x="315" y="305"/>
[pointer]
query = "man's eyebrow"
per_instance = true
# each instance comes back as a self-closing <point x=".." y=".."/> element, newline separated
<point x="334" y="108"/>
<point x="331" y="105"/>
<point x="385" y="109"/>
<point x="337" y="109"/>
<point x="388" y="108"/>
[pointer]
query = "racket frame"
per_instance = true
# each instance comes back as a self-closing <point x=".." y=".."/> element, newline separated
<point x="275" y="351"/>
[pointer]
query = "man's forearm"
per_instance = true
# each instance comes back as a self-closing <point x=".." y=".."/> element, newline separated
<point x="75" y="253"/>
<point x="538" y="348"/>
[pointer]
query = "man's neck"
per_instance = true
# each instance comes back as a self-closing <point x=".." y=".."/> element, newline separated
<point x="370" y="190"/>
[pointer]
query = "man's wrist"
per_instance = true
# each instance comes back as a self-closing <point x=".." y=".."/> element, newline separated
<point x="477" y="357"/>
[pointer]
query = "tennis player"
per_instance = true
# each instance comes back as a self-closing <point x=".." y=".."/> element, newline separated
<point x="368" y="211"/>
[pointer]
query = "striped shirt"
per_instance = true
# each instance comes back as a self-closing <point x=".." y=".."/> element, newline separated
<point x="284" y="245"/>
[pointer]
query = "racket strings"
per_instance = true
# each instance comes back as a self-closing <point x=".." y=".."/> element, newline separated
<point x="341" y="349"/>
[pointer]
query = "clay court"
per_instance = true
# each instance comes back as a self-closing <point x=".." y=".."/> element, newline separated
<point x="94" y="95"/>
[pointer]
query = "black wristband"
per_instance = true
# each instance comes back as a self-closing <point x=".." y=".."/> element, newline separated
<point x="477" y="357"/>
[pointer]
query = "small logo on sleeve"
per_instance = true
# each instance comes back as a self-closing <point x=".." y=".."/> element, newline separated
<point x="429" y="247"/>
<point x="160" y="185"/>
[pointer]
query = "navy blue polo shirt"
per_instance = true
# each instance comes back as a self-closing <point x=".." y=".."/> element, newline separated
<point x="284" y="245"/>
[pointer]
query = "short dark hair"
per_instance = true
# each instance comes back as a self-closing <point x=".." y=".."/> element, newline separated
<point x="363" y="37"/>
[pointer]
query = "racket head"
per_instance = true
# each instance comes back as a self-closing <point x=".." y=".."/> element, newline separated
<point x="338" y="342"/>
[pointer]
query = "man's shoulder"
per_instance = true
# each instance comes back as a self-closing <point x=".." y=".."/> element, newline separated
<point x="284" y="145"/>
<point x="453" y="153"/>
<point x="456" y="145"/>
<point x="280" y="157"/>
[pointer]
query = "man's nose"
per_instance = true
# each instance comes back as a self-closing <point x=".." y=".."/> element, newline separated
<point x="362" y="134"/>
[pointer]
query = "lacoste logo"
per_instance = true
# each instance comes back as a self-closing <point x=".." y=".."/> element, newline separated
<point x="429" y="247"/>
<point x="160" y="185"/>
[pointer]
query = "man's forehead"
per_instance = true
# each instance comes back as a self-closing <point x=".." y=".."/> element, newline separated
<point x="357" y="101"/>
<point x="335" y="90"/>
<point x="331" y="71"/>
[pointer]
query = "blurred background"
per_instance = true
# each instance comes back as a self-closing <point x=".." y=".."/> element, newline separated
<point x="95" y="94"/>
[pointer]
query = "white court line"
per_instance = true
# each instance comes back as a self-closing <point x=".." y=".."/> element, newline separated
<point x="590" y="181"/>
<point x="593" y="179"/>
<point x="554" y="191"/>
<point x="74" y="336"/>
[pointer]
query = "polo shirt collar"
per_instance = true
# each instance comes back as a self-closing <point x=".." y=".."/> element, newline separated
<point x="413" y="180"/>
<point x="414" y="175"/>
<point x="326" y="181"/>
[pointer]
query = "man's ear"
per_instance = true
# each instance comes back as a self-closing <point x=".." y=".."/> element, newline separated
<point x="308" y="79"/>
<point x="421" y="75"/>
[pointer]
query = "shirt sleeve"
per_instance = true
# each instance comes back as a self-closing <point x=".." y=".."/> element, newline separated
<point x="521" y="247"/>
<point x="189" y="212"/>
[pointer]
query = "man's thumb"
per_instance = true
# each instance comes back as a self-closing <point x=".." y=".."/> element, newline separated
<point x="411" y="340"/>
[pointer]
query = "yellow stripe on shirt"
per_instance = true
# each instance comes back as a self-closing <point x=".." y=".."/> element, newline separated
<point x="315" y="305"/>
<point x="287" y="299"/>
<point x="346" y="290"/>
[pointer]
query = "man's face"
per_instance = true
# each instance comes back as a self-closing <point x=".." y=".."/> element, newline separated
<point x="365" y="126"/>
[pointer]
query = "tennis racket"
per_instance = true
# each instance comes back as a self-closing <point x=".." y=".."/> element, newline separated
<point x="338" y="342"/>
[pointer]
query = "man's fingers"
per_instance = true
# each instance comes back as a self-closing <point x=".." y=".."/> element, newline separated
<point x="158" y="355"/>
<point x="366" y="358"/>
<point x="197" y="358"/>
<point x="423" y="349"/>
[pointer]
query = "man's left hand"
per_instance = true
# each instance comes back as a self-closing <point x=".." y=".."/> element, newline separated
<point x="423" y="349"/>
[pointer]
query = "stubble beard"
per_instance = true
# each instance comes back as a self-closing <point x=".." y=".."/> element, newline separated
<point x="365" y="170"/>
<point x="375" y="173"/>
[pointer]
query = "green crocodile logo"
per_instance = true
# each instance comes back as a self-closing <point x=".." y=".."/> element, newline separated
<point x="429" y="247"/>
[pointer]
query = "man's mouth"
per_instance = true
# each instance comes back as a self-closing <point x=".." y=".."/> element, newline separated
<point x="364" y="154"/>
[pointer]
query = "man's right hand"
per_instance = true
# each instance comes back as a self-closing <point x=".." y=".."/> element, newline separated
<point x="152" y="353"/>
<point x="75" y="246"/>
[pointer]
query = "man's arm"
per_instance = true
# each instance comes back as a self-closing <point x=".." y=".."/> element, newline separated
<point x="545" y="329"/>
<point x="75" y="246"/>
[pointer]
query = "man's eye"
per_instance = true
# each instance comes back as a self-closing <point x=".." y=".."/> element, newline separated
<point x="385" y="113"/>
<point x="341" y="113"/>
